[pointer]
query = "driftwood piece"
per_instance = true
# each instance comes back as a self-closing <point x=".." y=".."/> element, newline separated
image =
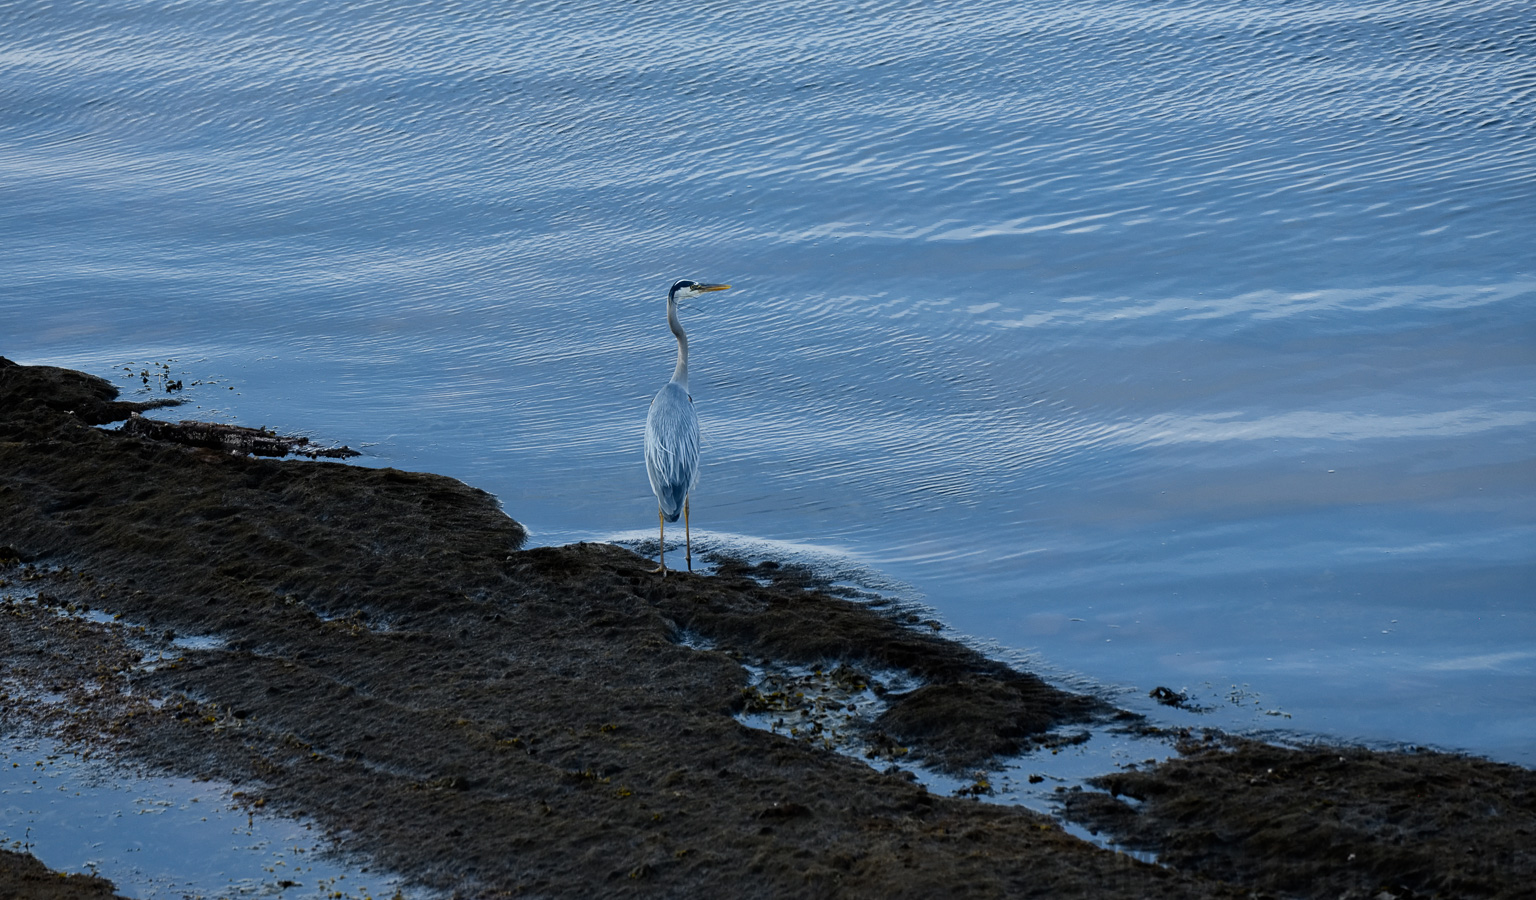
<point x="233" y="438"/>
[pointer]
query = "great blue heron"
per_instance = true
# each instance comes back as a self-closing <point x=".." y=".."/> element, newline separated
<point x="672" y="432"/>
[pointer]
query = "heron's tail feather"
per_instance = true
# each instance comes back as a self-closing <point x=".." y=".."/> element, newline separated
<point x="673" y="517"/>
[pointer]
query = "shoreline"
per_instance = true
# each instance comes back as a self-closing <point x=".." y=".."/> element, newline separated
<point x="488" y="720"/>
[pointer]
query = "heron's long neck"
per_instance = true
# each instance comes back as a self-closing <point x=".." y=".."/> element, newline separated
<point x="679" y="374"/>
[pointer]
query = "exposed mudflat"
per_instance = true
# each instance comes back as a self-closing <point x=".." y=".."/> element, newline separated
<point x="21" y="875"/>
<point x="1327" y="822"/>
<point x="378" y="653"/>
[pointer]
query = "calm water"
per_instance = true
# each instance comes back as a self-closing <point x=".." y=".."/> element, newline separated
<point x="1185" y="344"/>
<point x="161" y="838"/>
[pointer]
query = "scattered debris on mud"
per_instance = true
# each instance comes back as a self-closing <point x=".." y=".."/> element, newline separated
<point x="232" y="438"/>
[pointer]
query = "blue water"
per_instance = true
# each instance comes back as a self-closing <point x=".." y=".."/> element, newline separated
<point x="1184" y="344"/>
<point x="163" y="838"/>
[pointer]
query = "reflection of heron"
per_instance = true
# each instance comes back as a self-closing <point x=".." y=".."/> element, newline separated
<point x="672" y="432"/>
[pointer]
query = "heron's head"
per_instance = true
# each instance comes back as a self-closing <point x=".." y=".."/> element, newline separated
<point x="685" y="289"/>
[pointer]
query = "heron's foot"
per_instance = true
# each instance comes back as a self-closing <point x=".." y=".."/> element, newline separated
<point x="661" y="569"/>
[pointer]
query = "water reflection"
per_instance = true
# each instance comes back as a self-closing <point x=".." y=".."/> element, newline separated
<point x="163" y="836"/>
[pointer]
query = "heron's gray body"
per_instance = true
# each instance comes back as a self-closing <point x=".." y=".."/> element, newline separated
<point x="672" y="432"/>
<point x="672" y="448"/>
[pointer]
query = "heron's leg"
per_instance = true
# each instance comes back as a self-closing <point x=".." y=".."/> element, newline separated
<point x="662" y="521"/>
<point x="687" y="537"/>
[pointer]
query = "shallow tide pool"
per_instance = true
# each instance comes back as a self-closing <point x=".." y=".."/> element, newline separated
<point x="155" y="836"/>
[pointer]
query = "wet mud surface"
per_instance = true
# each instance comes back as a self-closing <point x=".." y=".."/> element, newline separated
<point x="21" y="875"/>
<point x="373" y="649"/>
<point x="1327" y="821"/>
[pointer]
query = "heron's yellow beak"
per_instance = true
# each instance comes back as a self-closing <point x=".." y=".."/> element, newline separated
<point x="713" y="287"/>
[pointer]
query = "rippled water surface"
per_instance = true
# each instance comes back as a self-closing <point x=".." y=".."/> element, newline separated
<point x="1184" y="344"/>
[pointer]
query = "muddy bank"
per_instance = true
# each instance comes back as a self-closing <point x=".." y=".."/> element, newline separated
<point x="373" y="648"/>
<point x="1327" y="822"/>
<point x="21" y="875"/>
